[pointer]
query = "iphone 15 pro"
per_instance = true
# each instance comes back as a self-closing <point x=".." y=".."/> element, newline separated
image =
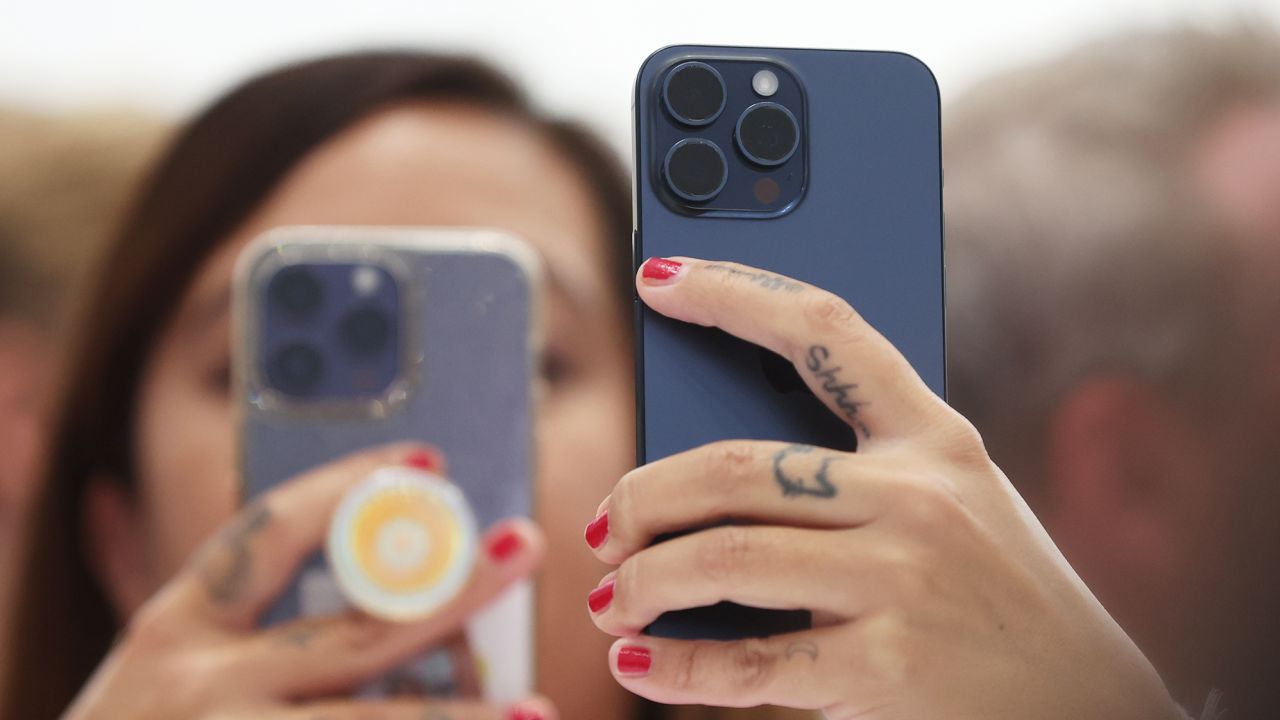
<point x="822" y="165"/>
<point x="351" y="337"/>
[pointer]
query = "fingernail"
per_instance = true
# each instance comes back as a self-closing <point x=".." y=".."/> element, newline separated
<point x="523" y="713"/>
<point x="660" y="270"/>
<point x="634" y="660"/>
<point x="505" y="544"/>
<point x="600" y="598"/>
<point x="597" y="531"/>
<point x="423" y="460"/>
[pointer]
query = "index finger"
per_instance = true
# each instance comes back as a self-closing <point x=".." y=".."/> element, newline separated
<point x="847" y="364"/>
<point x="237" y="573"/>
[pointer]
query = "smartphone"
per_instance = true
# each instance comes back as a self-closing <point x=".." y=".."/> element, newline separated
<point x="822" y="165"/>
<point x="350" y="337"/>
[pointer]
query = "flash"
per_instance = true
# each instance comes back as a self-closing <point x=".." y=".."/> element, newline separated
<point x="365" y="280"/>
<point x="765" y="83"/>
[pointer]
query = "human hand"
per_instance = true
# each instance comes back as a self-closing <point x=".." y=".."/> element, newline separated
<point x="935" y="591"/>
<point x="194" y="649"/>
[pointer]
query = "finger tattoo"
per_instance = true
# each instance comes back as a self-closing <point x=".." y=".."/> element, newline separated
<point x="226" y="567"/>
<point x="838" y="390"/>
<point x="801" y="647"/>
<point x="768" y="281"/>
<point x="799" y="483"/>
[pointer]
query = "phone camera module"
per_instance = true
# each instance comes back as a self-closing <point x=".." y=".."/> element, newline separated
<point x="297" y="291"/>
<point x="296" y="369"/>
<point x="695" y="169"/>
<point x="694" y="93"/>
<point x="365" y="331"/>
<point x="767" y="134"/>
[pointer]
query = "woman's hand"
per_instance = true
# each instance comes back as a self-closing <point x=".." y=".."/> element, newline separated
<point x="935" y="592"/>
<point x="193" y="650"/>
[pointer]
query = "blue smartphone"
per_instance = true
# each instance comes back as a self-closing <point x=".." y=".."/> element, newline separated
<point x="822" y="165"/>
<point x="350" y="337"/>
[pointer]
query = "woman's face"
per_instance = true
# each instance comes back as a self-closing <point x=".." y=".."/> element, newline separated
<point x="420" y="164"/>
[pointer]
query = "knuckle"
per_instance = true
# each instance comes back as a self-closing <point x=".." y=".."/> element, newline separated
<point x="753" y="665"/>
<point x="723" y="552"/>
<point x="730" y="461"/>
<point x="684" y="678"/>
<point x="152" y="628"/>
<point x="627" y="578"/>
<point x="928" y="505"/>
<point x="626" y="504"/>
<point x="829" y="314"/>
<point x="887" y="643"/>
<point x="961" y="442"/>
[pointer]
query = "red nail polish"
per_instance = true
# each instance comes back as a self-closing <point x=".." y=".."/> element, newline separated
<point x="660" y="269"/>
<point x="506" y="544"/>
<point x="598" y="531"/>
<point x="423" y="460"/>
<point x="634" y="660"/>
<point x="600" y="598"/>
<point x="523" y="714"/>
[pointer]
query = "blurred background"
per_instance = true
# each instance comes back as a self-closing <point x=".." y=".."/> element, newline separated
<point x="1113" y="195"/>
<point x="579" y="57"/>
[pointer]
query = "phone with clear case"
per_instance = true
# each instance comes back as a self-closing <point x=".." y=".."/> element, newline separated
<point x="351" y="337"/>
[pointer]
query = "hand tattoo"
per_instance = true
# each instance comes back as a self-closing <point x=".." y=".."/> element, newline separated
<point x="807" y="649"/>
<point x="839" y="392"/>
<point x="227" y="565"/>
<point x="768" y="281"/>
<point x="793" y="485"/>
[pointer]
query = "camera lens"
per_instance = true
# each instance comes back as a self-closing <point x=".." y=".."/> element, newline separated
<point x="694" y="93"/>
<point x="695" y="169"/>
<point x="295" y="369"/>
<point x="297" y="291"/>
<point x="365" y="331"/>
<point x="767" y="134"/>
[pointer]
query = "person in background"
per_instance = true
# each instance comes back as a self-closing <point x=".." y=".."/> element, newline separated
<point x="1114" y="331"/>
<point x="63" y="180"/>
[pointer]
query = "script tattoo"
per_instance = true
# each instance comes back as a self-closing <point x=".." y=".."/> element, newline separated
<point x="807" y="649"/>
<point x="837" y="390"/>
<point x="768" y="281"/>
<point x="227" y="565"/>
<point x="793" y="484"/>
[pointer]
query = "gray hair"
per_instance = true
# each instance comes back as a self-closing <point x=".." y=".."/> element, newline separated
<point x="1076" y="241"/>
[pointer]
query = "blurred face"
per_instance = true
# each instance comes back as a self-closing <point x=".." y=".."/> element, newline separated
<point x="412" y="165"/>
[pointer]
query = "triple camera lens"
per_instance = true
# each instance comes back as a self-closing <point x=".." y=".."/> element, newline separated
<point x="330" y="330"/>
<point x="695" y="168"/>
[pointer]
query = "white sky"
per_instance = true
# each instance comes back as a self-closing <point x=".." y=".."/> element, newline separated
<point x="577" y="57"/>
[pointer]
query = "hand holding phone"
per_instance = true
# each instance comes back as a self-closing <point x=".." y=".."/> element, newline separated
<point x="348" y="337"/>
<point x="205" y="618"/>
<point x="818" y="165"/>
<point x="935" y="592"/>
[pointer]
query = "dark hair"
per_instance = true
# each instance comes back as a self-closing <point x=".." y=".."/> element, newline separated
<point x="212" y="177"/>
